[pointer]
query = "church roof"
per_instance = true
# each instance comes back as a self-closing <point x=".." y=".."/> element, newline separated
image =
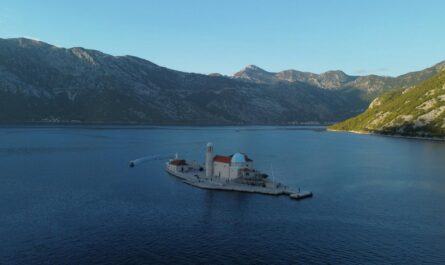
<point x="238" y="158"/>
<point x="222" y="159"/>
<point x="230" y="159"/>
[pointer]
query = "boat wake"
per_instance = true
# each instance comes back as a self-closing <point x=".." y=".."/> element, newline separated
<point x="145" y="159"/>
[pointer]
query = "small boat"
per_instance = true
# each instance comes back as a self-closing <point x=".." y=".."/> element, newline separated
<point x="300" y="195"/>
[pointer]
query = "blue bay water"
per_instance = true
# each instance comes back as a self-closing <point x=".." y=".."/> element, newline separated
<point x="67" y="196"/>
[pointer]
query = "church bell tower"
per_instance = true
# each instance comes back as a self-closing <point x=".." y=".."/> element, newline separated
<point x="209" y="160"/>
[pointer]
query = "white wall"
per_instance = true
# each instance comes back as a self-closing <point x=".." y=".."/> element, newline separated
<point x="221" y="170"/>
<point x="234" y="172"/>
<point x="178" y="168"/>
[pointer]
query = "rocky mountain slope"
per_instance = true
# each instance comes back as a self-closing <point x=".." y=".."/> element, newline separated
<point x="415" y="111"/>
<point x="368" y="86"/>
<point x="328" y="80"/>
<point x="41" y="82"/>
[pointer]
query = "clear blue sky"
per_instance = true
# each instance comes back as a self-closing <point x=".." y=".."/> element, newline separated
<point x="360" y="37"/>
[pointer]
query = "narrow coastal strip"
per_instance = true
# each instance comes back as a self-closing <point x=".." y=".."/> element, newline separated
<point x="389" y="135"/>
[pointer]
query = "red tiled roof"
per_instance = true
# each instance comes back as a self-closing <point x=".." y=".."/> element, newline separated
<point x="228" y="159"/>
<point x="222" y="159"/>
<point x="178" y="162"/>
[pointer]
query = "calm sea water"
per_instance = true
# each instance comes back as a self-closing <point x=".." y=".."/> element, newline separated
<point x="67" y="196"/>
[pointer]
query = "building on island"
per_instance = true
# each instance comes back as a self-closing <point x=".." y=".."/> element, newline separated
<point x="178" y="165"/>
<point x="227" y="167"/>
<point x="231" y="173"/>
<point x="237" y="167"/>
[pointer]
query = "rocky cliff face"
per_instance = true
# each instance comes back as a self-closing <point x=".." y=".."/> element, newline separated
<point x="414" y="111"/>
<point x="41" y="82"/>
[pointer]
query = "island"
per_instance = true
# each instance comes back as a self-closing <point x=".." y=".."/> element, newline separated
<point x="228" y="173"/>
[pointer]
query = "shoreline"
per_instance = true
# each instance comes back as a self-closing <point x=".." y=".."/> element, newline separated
<point x="175" y="124"/>
<point x="439" y="139"/>
<point x="159" y="126"/>
<point x="154" y="126"/>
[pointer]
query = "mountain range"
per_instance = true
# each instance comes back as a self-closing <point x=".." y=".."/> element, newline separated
<point x="41" y="82"/>
<point x="369" y="86"/>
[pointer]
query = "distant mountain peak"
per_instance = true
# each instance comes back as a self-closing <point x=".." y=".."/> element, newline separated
<point x="255" y="74"/>
<point x="28" y="42"/>
<point x="215" y="74"/>
<point x="254" y="67"/>
<point x="339" y="72"/>
<point x="27" y="39"/>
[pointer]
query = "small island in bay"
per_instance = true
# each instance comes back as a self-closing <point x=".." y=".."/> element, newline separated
<point x="228" y="173"/>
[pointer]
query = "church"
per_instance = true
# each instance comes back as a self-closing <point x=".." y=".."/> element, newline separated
<point x="228" y="167"/>
<point x="231" y="173"/>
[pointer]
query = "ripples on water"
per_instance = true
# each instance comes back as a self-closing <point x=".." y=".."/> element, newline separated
<point x="67" y="196"/>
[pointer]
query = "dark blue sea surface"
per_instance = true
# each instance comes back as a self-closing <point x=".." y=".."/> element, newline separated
<point x="68" y="196"/>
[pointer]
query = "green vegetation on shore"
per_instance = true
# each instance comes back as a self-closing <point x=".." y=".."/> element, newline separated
<point x="415" y="111"/>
